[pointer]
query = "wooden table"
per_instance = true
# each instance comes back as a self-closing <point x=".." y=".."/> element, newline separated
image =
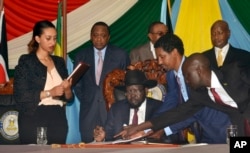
<point x="125" y="148"/>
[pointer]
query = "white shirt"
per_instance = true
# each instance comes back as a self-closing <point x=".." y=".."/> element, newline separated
<point x="225" y="97"/>
<point x="141" y="113"/>
<point x="152" y="49"/>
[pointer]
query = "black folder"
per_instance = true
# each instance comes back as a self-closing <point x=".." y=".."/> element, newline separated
<point x="78" y="72"/>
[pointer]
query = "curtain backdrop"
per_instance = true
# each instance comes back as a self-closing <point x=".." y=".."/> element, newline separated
<point x="128" y="19"/>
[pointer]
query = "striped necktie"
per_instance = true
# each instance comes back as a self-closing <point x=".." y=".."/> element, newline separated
<point x="99" y="68"/>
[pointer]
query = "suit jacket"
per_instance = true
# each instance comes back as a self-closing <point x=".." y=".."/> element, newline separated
<point x="119" y="115"/>
<point x="30" y="75"/>
<point x="233" y="55"/>
<point x="235" y="80"/>
<point x="92" y="104"/>
<point x="141" y="53"/>
<point x="212" y="122"/>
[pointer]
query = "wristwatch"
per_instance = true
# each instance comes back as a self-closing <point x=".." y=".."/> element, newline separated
<point x="47" y="93"/>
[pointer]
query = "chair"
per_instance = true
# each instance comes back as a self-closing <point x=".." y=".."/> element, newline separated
<point x="116" y="77"/>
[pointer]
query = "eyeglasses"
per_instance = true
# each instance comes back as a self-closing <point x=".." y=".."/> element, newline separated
<point x="159" y="33"/>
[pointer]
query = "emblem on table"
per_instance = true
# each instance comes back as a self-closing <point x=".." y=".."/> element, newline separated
<point x="9" y="125"/>
<point x="239" y="144"/>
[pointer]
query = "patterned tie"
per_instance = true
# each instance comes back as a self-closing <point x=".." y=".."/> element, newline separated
<point x="179" y="89"/>
<point x="182" y="133"/>
<point x="99" y="68"/>
<point x="135" y="117"/>
<point x="219" y="58"/>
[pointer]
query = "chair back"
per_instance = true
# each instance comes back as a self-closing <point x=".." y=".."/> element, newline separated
<point x="152" y="70"/>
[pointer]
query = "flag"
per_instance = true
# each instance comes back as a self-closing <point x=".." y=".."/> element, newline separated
<point x="59" y="49"/>
<point x="169" y="22"/>
<point x="72" y="113"/>
<point x="165" y="14"/>
<point x="3" y="47"/>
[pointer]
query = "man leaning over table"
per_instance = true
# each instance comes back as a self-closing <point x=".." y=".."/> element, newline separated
<point x="232" y="84"/>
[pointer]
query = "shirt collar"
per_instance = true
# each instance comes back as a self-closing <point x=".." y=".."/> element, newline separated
<point x="224" y="49"/>
<point x="179" y="72"/>
<point x="103" y="51"/>
<point x="215" y="83"/>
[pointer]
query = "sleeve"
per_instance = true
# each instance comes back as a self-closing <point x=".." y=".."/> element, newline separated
<point x="171" y="98"/>
<point x="26" y="89"/>
<point x="175" y="115"/>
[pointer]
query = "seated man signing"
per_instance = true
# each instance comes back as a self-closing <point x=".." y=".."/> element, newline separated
<point x="133" y="110"/>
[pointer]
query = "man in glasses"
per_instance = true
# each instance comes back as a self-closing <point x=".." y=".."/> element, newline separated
<point x="147" y="51"/>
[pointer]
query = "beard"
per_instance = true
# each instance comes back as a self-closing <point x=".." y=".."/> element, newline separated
<point x="135" y="105"/>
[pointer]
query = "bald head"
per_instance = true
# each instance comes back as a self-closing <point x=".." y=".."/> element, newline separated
<point x="220" y="33"/>
<point x="196" y="71"/>
<point x="197" y="59"/>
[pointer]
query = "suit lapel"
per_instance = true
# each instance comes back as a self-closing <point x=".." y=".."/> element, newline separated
<point x="92" y="62"/>
<point x="230" y="56"/>
<point x="148" y="53"/>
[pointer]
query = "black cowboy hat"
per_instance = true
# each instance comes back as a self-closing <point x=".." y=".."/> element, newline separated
<point x="136" y="77"/>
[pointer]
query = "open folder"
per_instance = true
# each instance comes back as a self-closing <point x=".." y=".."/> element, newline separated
<point x="78" y="72"/>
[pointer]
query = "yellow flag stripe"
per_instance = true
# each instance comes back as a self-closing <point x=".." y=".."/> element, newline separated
<point x="193" y="24"/>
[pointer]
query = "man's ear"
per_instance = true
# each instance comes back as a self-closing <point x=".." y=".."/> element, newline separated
<point x="199" y="70"/>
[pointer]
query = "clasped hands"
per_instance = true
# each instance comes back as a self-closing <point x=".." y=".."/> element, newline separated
<point x="61" y="89"/>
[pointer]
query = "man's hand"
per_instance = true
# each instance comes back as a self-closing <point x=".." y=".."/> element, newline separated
<point x="157" y="135"/>
<point x="99" y="134"/>
<point x="127" y="132"/>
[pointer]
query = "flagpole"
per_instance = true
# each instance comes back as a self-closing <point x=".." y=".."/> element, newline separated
<point x="64" y="45"/>
<point x="1" y="6"/>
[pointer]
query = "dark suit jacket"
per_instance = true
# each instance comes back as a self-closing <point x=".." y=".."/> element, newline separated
<point x="212" y="122"/>
<point x="30" y="75"/>
<point x="141" y="53"/>
<point x="119" y="115"/>
<point x="235" y="80"/>
<point x="233" y="55"/>
<point x="92" y="104"/>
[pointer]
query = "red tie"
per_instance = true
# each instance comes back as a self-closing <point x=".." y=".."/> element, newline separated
<point x="135" y="117"/>
<point x="219" y="101"/>
<point x="217" y="97"/>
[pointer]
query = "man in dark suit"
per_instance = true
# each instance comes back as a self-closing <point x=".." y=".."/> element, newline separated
<point x="147" y="50"/>
<point x="232" y="84"/>
<point x="102" y="58"/>
<point x="211" y="123"/>
<point x="220" y="34"/>
<point x="122" y="112"/>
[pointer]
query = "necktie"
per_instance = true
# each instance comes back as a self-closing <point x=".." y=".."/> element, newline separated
<point x="135" y="117"/>
<point x="216" y="97"/>
<point x="219" y="101"/>
<point x="99" y="68"/>
<point x="179" y="90"/>
<point x="219" y="58"/>
<point x="182" y="133"/>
